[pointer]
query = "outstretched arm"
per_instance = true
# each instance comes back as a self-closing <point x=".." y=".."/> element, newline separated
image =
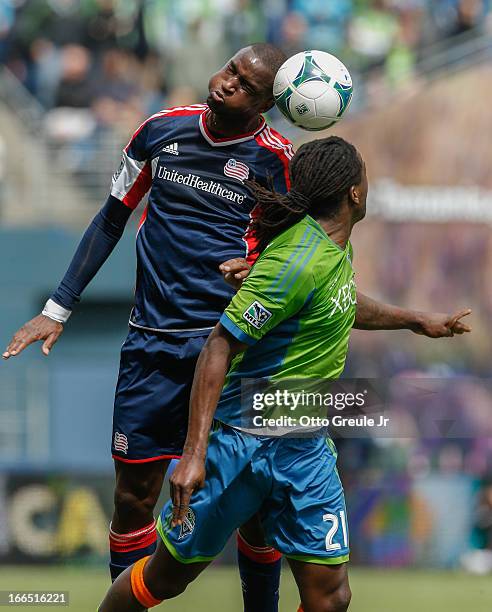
<point x="375" y="315"/>
<point x="210" y="374"/>
<point x="95" y="247"/>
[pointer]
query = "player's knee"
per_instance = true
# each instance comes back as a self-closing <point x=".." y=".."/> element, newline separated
<point x="338" y="600"/>
<point x="163" y="588"/>
<point x="131" y="502"/>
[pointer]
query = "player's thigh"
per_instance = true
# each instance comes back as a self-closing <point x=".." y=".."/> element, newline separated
<point x="230" y="496"/>
<point x="253" y="532"/>
<point x="305" y="516"/>
<point x="142" y="481"/>
<point x="166" y="577"/>
<point x="322" y="588"/>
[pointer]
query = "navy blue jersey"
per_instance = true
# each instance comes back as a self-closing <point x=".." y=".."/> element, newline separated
<point x="197" y="213"/>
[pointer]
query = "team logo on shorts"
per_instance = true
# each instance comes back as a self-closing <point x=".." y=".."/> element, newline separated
<point x="188" y="524"/>
<point x="256" y="314"/>
<point x="120" y="442"/>
<point x="236" y="169"/>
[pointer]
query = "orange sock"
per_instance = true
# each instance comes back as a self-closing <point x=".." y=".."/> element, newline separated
<point x="139" y="588"/>
<point x="301" y="609"/>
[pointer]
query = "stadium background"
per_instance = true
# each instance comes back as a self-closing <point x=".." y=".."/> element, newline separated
<point x="76" y="77"/>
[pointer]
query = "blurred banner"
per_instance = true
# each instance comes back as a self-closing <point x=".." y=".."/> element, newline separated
<point x="399" y="521"/>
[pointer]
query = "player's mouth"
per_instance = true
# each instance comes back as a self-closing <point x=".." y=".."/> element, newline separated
<point x="217" y="96"/>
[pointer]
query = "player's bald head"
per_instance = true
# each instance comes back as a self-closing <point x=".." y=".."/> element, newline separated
<point x="267" y="59"/>
<point x="271" y="57"/>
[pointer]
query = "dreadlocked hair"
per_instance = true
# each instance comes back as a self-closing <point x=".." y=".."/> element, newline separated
<point x="321" y="173"/>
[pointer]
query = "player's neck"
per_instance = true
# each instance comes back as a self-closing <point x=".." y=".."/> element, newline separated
<point x="338" y="229"/>
<point x="226" y="127"/>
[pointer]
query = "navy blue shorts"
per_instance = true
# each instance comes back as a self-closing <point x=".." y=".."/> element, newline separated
<point x="152" y="396"/>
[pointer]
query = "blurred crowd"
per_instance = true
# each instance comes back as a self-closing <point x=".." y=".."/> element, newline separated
<point x="111" y="62"/>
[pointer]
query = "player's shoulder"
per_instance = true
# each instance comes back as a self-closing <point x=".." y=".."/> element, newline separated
<point x="291" y="253"/>
<point x="179" y="111"/>
<point x="157" y="120"/>
<point x="272" y="141"/>
<point x="174" y="112"/>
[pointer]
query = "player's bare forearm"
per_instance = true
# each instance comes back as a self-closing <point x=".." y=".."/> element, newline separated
<point x="210" y="374"/>
<point x="373" y="315"/>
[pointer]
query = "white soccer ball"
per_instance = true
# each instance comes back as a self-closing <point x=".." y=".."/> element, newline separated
<point x="313" y="89"/>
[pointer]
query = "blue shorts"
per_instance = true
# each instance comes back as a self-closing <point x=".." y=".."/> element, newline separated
<point x="152" y="396"/>
<point x="292" y="483"/>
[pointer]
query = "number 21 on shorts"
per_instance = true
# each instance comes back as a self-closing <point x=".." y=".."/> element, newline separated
<point x="335" y="521"/>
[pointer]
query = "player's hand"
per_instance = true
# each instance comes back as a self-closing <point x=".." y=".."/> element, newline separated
<point x="235" y="271"/>
<point x="188" y="476"/>
<point x="39" y="328"/>
<point x="440" y="325"/>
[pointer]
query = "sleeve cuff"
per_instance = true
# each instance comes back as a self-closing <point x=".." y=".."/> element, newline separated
<point x="236" y="331"/>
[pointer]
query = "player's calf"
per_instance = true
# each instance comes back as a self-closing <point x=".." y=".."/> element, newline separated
<point x="323" y="588"/>
<point x="149" y="582"/>
<point x="132" y="534"/>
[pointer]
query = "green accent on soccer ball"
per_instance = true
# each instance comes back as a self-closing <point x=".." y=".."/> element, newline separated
<point x="310" y="71"/>
<point x="345" y="94"/>
<point x="283" y="102"/>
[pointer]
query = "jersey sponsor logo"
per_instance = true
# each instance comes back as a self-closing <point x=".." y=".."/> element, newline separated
<point x="171" y="148"/>
<point x="120" y="442"/>
<point x="345" y="298"/>
<point x="188" y="524"/>
<point x="236" y="169"/>
<point x="196" y="182"/>
<point x="257" y="314"/>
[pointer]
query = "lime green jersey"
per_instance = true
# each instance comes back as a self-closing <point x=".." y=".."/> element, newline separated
<point x="295" y="311"/>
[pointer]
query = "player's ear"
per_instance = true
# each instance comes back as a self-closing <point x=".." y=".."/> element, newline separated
<point x="355" y="194"/>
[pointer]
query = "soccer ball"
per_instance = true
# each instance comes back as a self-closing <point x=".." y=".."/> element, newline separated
<point x="313" y="89"/>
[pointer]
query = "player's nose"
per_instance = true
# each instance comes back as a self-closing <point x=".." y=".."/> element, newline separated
<point x="229" y="85"/>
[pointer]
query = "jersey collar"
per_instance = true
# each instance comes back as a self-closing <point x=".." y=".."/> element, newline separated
<point x="224" y="142"/>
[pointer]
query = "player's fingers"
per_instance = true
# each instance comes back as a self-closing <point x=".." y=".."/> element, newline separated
<point x="175" y="498"/>
<point x="461" y="328"/>
<point x="183" y="506"/>
<point x="49" y="343"/>
<point x="459" y="315"/>
<point x="241" y="275"/>
<point x="17" y="347"/>
<point x="234" y="265"/>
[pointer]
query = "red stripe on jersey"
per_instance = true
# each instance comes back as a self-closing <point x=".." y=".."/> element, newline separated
<point x="142" y="218"/>
<point x="264" y="140"/>
<point x="139" y="187"/>
<point x="250" y="239"/>
<point x="175" y="111"/>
